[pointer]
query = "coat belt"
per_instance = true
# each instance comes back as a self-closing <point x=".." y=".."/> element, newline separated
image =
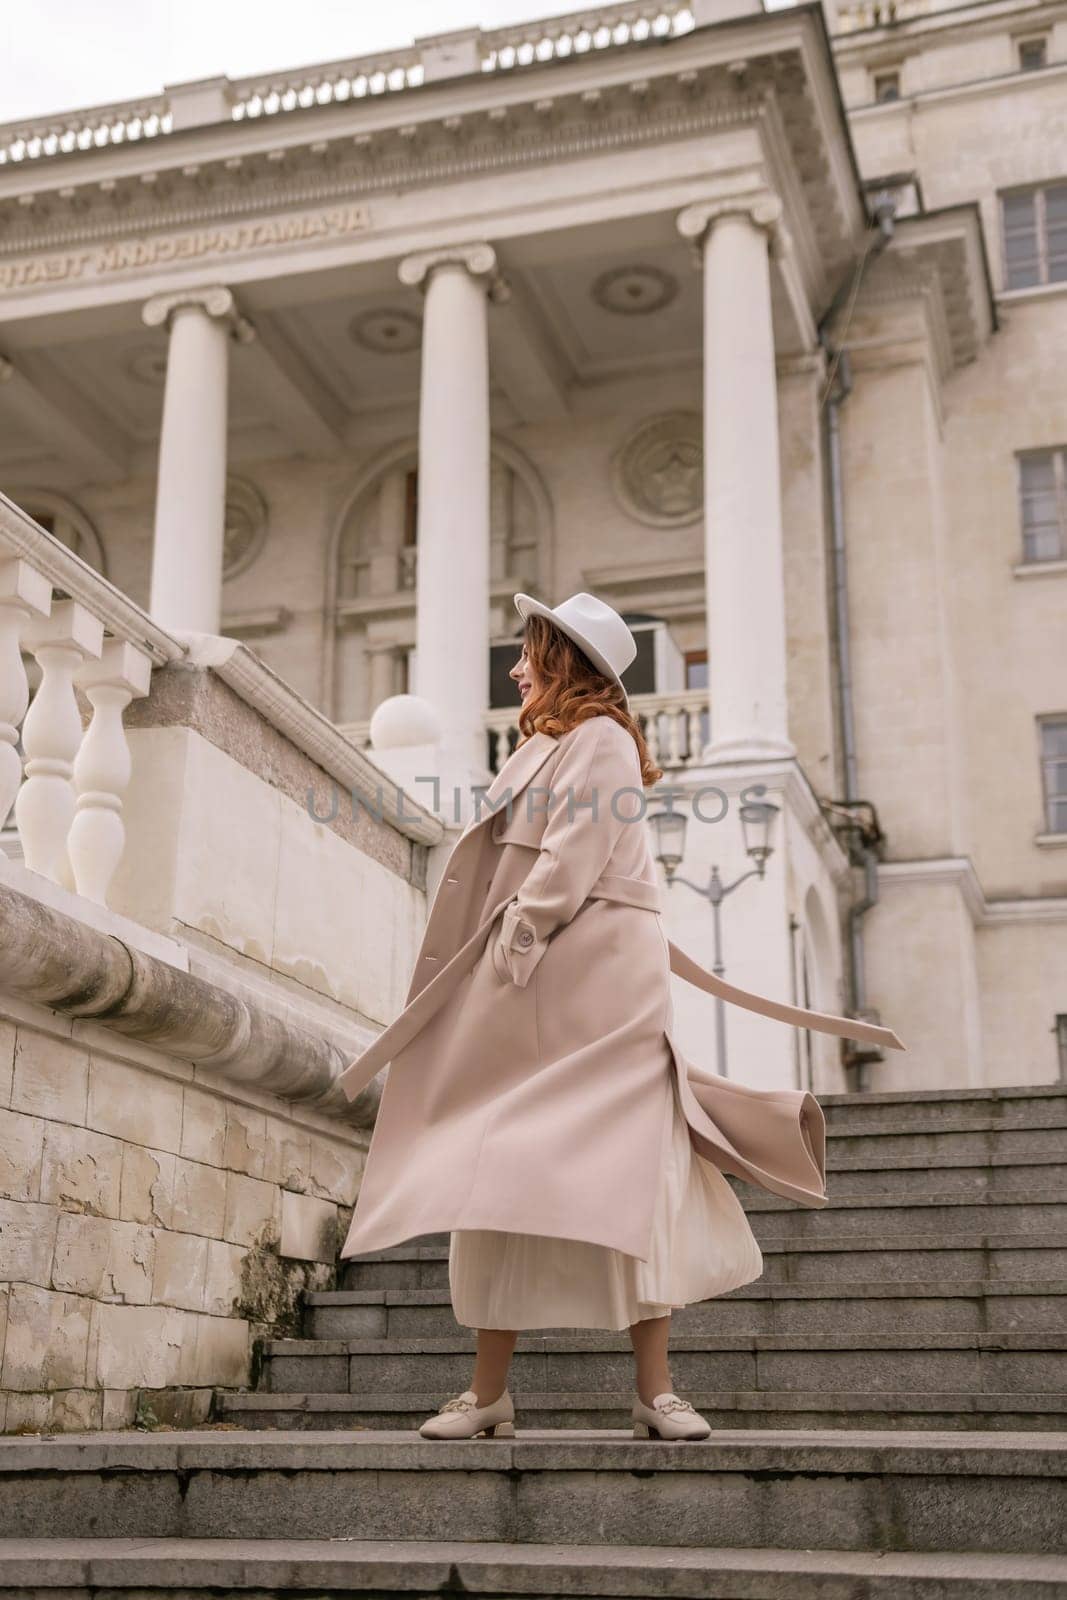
<point x="609" y="886"/>
<point x="628" y="891"/>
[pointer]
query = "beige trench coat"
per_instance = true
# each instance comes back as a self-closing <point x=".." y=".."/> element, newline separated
<point x="531" y="1064"/>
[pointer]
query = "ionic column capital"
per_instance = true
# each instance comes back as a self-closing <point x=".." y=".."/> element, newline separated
<point x="479" y="260"/>
<point x="215" y="301"/>
<point x="762" y="207"/>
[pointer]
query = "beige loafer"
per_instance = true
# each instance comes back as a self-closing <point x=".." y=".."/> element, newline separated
<point x="668" y="1418"/>
<point x="464" y="1418"/>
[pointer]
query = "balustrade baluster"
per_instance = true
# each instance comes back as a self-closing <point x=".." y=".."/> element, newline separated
<point x="102" y="766"/>
<point x="24" y="593"/>
<point x="51" y="736"/>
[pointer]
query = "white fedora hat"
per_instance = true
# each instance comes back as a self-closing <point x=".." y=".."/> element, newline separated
<point x="594" y="626"/>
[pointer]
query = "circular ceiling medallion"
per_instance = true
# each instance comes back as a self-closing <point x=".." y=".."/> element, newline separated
<point x="246" y="526"/>
<point x="149" y="365"/>
<point x="658" y="474"/>
<point x="634" y="291"/>
<point x="388" y="331"/>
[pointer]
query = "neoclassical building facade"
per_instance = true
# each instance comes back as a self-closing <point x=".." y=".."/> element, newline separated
<point x="750" y="322"/>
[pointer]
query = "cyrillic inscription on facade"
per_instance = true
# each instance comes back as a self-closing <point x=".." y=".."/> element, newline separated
<point x="131" y="255"/>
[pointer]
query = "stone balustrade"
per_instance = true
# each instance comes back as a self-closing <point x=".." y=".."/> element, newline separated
<point x="855" y="15"/>
<point x="67" y="789"/>
<point x="270" y="94"/>
<point x="676" y="726"/>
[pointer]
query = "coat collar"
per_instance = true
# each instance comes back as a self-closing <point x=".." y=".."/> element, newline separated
<point x="518" y="770"/>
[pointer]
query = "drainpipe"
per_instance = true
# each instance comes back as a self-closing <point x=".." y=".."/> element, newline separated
<point x="858" y="818"/>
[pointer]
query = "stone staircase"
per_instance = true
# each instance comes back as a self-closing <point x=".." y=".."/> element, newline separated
<point x="889" y="1399"/>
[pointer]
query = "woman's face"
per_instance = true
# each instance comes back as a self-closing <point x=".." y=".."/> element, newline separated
<point x="524" y="676"/>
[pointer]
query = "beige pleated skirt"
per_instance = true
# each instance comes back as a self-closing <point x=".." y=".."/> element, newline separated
<point x="702" y="1246"/>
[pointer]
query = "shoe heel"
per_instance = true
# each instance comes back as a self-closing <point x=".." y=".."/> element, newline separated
<point x="643" y="1431"/>
<point x="500" y="1430"/>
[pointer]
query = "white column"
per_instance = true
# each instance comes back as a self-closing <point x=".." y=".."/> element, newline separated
<point x="452" y="594"/>
<point x="186" y="588"/>
<point x="743" y="501"/>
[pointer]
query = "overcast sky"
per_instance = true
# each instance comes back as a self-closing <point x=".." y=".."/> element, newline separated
<point x="61" y="54"/>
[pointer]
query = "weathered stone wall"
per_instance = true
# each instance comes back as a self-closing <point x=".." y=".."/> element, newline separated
<point x="154" y="1222"/>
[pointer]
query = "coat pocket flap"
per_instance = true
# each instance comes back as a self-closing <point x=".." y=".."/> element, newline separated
<point x="519" y="827"/>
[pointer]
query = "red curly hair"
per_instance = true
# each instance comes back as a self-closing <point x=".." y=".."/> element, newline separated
<point x="573" y="689"/>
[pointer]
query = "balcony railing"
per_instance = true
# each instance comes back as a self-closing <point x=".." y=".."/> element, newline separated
<point x="676" y="726"/>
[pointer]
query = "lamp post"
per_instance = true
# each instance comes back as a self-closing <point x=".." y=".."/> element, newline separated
<point x="668" y="827"/>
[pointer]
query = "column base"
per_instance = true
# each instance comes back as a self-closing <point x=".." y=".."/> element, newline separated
<point x="751" y="748"/>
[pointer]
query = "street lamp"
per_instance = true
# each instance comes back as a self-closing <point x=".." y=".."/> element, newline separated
<point x="668" y="829"/>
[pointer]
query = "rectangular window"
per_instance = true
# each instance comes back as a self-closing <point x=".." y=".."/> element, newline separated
<point x="1034" y="226"/>
<point x="1043" y="504"/>
<point x="1054" y="772"/>
<point x="696" y="669"/>
<point x="887" y="86"/>
<point x="1033" y="53"/>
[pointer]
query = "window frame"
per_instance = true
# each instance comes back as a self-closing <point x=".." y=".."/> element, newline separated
<point x="1058" y="453"/>
<point x="1053" y="799"/>
<point x="1021" y="42"/>
<point x="1038" y="194"/>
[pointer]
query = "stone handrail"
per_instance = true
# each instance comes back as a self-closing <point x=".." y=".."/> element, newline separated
<point x="266" y="94"/>
<point x="53" y="960"/>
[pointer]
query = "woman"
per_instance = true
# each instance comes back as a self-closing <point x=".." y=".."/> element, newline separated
<point x="537" y="1106"/>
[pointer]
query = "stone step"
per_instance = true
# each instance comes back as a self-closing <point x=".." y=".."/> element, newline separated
<point x="1034" y="1104"/>
<point x="965" y="1141"/>
<point x="955" y="1215"/>
<point x="863" y="1491"/>
<point x="896" y="1258"/>
<point x="967" y="1363"/>
<point x="912" y="1176"/>
<point x="419" y="1570"/>
<point x="611" y="1409"/>
<point x="757" y="1308"/>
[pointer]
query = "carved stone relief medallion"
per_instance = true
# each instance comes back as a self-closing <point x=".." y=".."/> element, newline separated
<point x="658" y="473"/>
<point x="246" y="526"/>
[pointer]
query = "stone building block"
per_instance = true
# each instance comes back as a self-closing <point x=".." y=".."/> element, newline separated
<point x="50" y="1077"/>
<point x="288" y="1155"/>
<point x="27" y="1242"/>
<point x="21" y="1148"/>
<point x="46" y="1343"/>
<point x="253" y="1210"/>
<point x="7" y="1060"/>
<point x="59" y="1411"/>
<point x="147" y="1185"/>
<point x="117" y="1408"/>
<point x="105" y="1259"/>
<point x="180" y="1270"/>
<point x="309" y="1228"/>
<point x="222" y="1351"/>
<point x="203" y="1127"/>
<point x="334" y="1171"/>
<point x="223" y="1282"/>
<point x="198" y="1201"/>
<point x="245" y="1140"/>
<point x="81" y="1170"/>
<point x="134" y="1104"/>
<point x="141" y="1346"/>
